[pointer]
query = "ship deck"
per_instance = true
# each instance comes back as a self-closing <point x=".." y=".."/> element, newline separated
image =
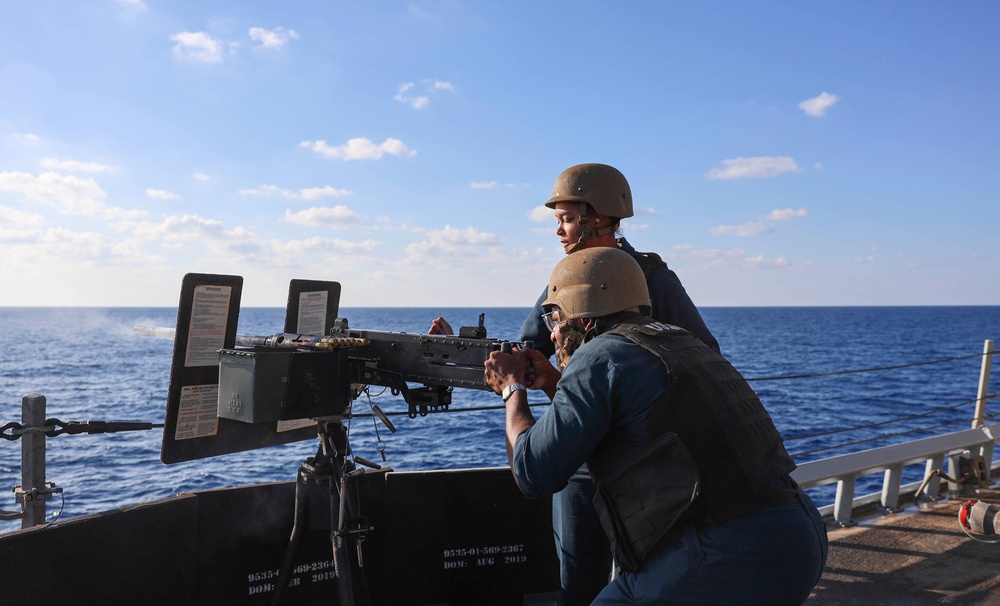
<point x="910" y="559"/>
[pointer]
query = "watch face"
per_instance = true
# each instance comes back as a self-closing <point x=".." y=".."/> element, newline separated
<point x="510" y="389"/>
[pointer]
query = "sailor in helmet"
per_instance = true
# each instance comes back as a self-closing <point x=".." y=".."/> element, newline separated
<point x="589" y="202"/>
<point x="693" y="490"/>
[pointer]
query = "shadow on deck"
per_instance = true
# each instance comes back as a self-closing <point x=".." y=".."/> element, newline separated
<point x="910" y="559"/>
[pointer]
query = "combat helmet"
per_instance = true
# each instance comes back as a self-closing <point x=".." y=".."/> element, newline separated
<point x="601" y="186"/>
<point x="596" y="282"/>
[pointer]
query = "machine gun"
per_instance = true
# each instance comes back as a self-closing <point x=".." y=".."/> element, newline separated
<point x="231" y="392"/>
<point x="290" y="376"/>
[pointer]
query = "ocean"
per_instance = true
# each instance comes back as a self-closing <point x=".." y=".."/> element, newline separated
<point x="90" y="365"/>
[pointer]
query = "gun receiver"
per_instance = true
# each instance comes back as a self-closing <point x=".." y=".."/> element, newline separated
<point x="230" y="392"/>
<point x="291" y="376"/>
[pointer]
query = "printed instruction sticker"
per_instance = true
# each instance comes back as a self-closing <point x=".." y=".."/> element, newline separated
<point x="312" y="313"/>
<point x="294" y="424"/>
<point x="198" y="412"/>
<point x="207" y="331"/>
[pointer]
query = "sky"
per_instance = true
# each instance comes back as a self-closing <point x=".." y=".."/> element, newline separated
<point x="779" y="153"/>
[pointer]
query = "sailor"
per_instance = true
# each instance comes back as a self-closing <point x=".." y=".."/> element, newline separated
<point x="589" y="202"/>
<point x="693" y="490"/>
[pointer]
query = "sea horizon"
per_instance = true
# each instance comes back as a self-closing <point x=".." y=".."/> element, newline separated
<point x="89" y="364"/>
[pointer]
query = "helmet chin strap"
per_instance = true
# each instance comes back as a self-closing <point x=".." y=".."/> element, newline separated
<point x="572" y="339"/>
<point x="587" y="231"/>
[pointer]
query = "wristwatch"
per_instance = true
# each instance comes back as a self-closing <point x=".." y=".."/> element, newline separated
<point x="510" y="389"/>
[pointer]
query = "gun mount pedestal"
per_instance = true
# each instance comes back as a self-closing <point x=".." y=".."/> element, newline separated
<point x="321" y="487"/>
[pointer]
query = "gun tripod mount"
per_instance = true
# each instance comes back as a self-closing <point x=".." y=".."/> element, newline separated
<point x="324" y="482"/>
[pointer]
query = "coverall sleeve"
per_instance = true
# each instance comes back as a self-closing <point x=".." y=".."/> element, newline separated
<point x="549" y="453"/>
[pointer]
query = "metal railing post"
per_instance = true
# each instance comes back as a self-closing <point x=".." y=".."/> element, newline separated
<point x="984" y="384"/>
<point x="890" y="488"/>
<point x="844" y="501"/>
<point x="33" y="461"/>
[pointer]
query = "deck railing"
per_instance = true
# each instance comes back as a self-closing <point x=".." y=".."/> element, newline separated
<point x="844" y="470"/>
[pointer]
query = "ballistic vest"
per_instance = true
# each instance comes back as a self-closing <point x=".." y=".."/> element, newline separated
<point x="648" y="262"/>
<point x="713" y="455"/>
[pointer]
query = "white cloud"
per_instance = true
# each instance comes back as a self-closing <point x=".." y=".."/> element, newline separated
<point x="753" y="228"/>
<point x="360" y="148"/>
<point x="75" y="244"/>
<point x="310" y="193"/>
<point x="12" y="216"/>
<point x="233" y="245"/>
<point x="756" y="167"/>
<point x="267" y="190"/>
<point x="197" y="46"/>
<point x="69" y="194"/>
<point x="321" y="216"/>
<point x="468" y="242"/>
<point x="60" y="246"/>
<point x="407" y="92"/>
<point x="201" y="177"/>
<point x="495" y="184"/>
<point x="818" y="105"/>
<point x="161" y="194"/>
<point x="866" y="259"/>
<point x="18" y="236"/>
<point x="716" y="259"/>
<point x="633" y="227"/>
<point x="788" y="213"/>
<point x="315" y="193"/>
<point x="122" y="214"/>
<point x="61" y="251"/>
<point x="135" y="252"/>
<point x="760" y="261"/>
<point x="316" y="244"/>
<point x="713" y="256"/>
<point x="272" y="38"/>
<point x="76" y="166"/>
<point x="404" y="94"/>
<point x="181" y="227"/>
<point x="645" y="212"/>
<point x="542" y="214"/>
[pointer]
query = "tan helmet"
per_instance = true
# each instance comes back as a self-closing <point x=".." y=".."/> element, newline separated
<point x="596" y="282"/>
<point x="601" y="186"/>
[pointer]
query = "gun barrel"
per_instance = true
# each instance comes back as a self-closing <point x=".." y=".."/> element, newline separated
<point x="162" y="332"/>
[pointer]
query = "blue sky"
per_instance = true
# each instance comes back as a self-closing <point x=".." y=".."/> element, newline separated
<point x="780" y="153"/>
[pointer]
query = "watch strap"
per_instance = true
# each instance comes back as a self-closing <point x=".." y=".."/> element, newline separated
<point x="510" y="389"/>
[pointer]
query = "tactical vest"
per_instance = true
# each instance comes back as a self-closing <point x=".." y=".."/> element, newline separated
<point x="648" y="262"/>
<point x="709" y="419"/>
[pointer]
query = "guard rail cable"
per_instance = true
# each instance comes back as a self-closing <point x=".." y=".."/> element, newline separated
<point x="843" y="469"/>
<point x="34" y="490"/>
